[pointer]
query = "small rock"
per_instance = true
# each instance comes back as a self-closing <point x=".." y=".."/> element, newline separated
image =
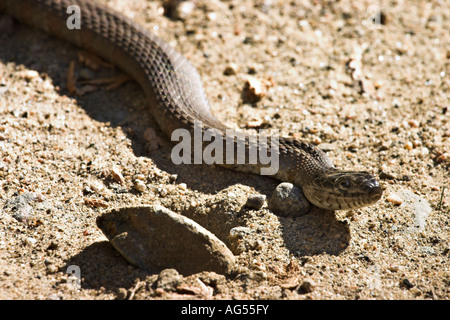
<point x="378" y="84"/>
<point x="155" y="238"/>
<point x="97" y="203"/>
<point x="239" y="232"/>
<point x="307" y="286"/>
<point x="168" y="279"/>
<point x="258" y="245"/>
<point x="139" y="185"/>
<point x="427" y="250"/>
<point x="406" y="283"/>
<point x="316" y="140"/>
<point x="413" y="123"/>
<point x="31" y="241"/>
<point x="383" y="18"/>
<point x="20" y="207"/>
<point x="28" y="74"/>
<point x="117" y="175"/>
<point x="163" y="192"/>
<point x="182" y="186"/>
<point x="94" y="187"/>
<point x="258" y="275"/>
<point x="230" y="69"/>
<point x="408" y="145"/>
<point x="442" y="157"/>
<point x="53" y="296"/>
<point x="212" y="16"/>
<point x="140" y="176"/>
<point x="255" y="89"/>
<point x="424" y="152"/>
<point x="231" y="194"/>
<point x="396" y="103"/>
<point x="85" y="90"/>
<point x="185" y="289"/>
<point x="121" y="294"/>
<point x="254" y="123"/>
<point x="255" y="201"/>
<point x="53" y="245"/>
<point x="290" y="283"/>
<point x="288" y="201"/>
<point x="394" y="199"/>
<point x="386" y="176"/>
<point x="177" y="9"/>
<point x="326" y="147"/>
<point x="393" y="268"/>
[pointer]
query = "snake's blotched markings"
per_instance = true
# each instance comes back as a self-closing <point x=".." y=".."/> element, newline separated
<point x="240" y="149"/>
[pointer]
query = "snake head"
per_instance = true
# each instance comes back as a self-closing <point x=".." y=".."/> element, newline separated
<point x="343" y="190"/>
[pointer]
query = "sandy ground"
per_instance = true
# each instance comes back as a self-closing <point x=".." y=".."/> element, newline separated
<point x="373" y="91"/>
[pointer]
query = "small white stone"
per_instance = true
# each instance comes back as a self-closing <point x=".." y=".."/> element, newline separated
<point x="139" y="185"/>
<point x="394" y="199"/>
<point x="31" y="241"/>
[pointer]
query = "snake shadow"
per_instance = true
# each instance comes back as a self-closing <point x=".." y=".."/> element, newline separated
<point x="315" y="233"/>
<point x="126" y="107"/>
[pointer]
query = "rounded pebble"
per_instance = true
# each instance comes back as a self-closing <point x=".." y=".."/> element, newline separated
<point x="408" y="145"/>
<point x="230" y="69"/>
<point x="307" y="286"/>
<point x="288" y="201"/>
<point x="394" y="199"/>
<point x="31" y="241"/>
<point x="139" y="185"/>
<point x="121" y="294"/>
<point x="325" y="147"/>
<point x="168" y="279"/>
<point x="256" y="201"/>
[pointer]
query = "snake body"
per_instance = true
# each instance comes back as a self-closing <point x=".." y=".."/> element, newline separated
<point x="175" y="92"/>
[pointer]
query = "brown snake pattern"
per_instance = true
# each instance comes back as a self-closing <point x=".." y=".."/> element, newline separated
<point x="177" y="97"/>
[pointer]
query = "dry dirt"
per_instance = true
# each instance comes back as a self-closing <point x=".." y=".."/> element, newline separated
<point x="374" y="91"/>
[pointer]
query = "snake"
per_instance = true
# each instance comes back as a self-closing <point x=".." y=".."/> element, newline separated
<point x="177" y="97"/>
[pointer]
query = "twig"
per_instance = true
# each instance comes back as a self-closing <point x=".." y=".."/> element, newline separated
<point x="442" y="197"/>
<point x="136" y="288"/>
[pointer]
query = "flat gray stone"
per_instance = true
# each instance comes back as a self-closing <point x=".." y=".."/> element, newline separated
<point x="155" y="238"/>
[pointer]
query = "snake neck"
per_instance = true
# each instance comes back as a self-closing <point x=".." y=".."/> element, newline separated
<point x="301" y="162"/>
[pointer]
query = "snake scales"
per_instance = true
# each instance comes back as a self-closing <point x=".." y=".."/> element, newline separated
<point x="177" y="97"/>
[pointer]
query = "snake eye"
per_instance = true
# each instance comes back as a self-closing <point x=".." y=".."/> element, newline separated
<point x="344" y="184"/>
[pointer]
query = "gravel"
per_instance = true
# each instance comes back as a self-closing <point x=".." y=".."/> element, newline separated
<point x="377" y="94"/>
